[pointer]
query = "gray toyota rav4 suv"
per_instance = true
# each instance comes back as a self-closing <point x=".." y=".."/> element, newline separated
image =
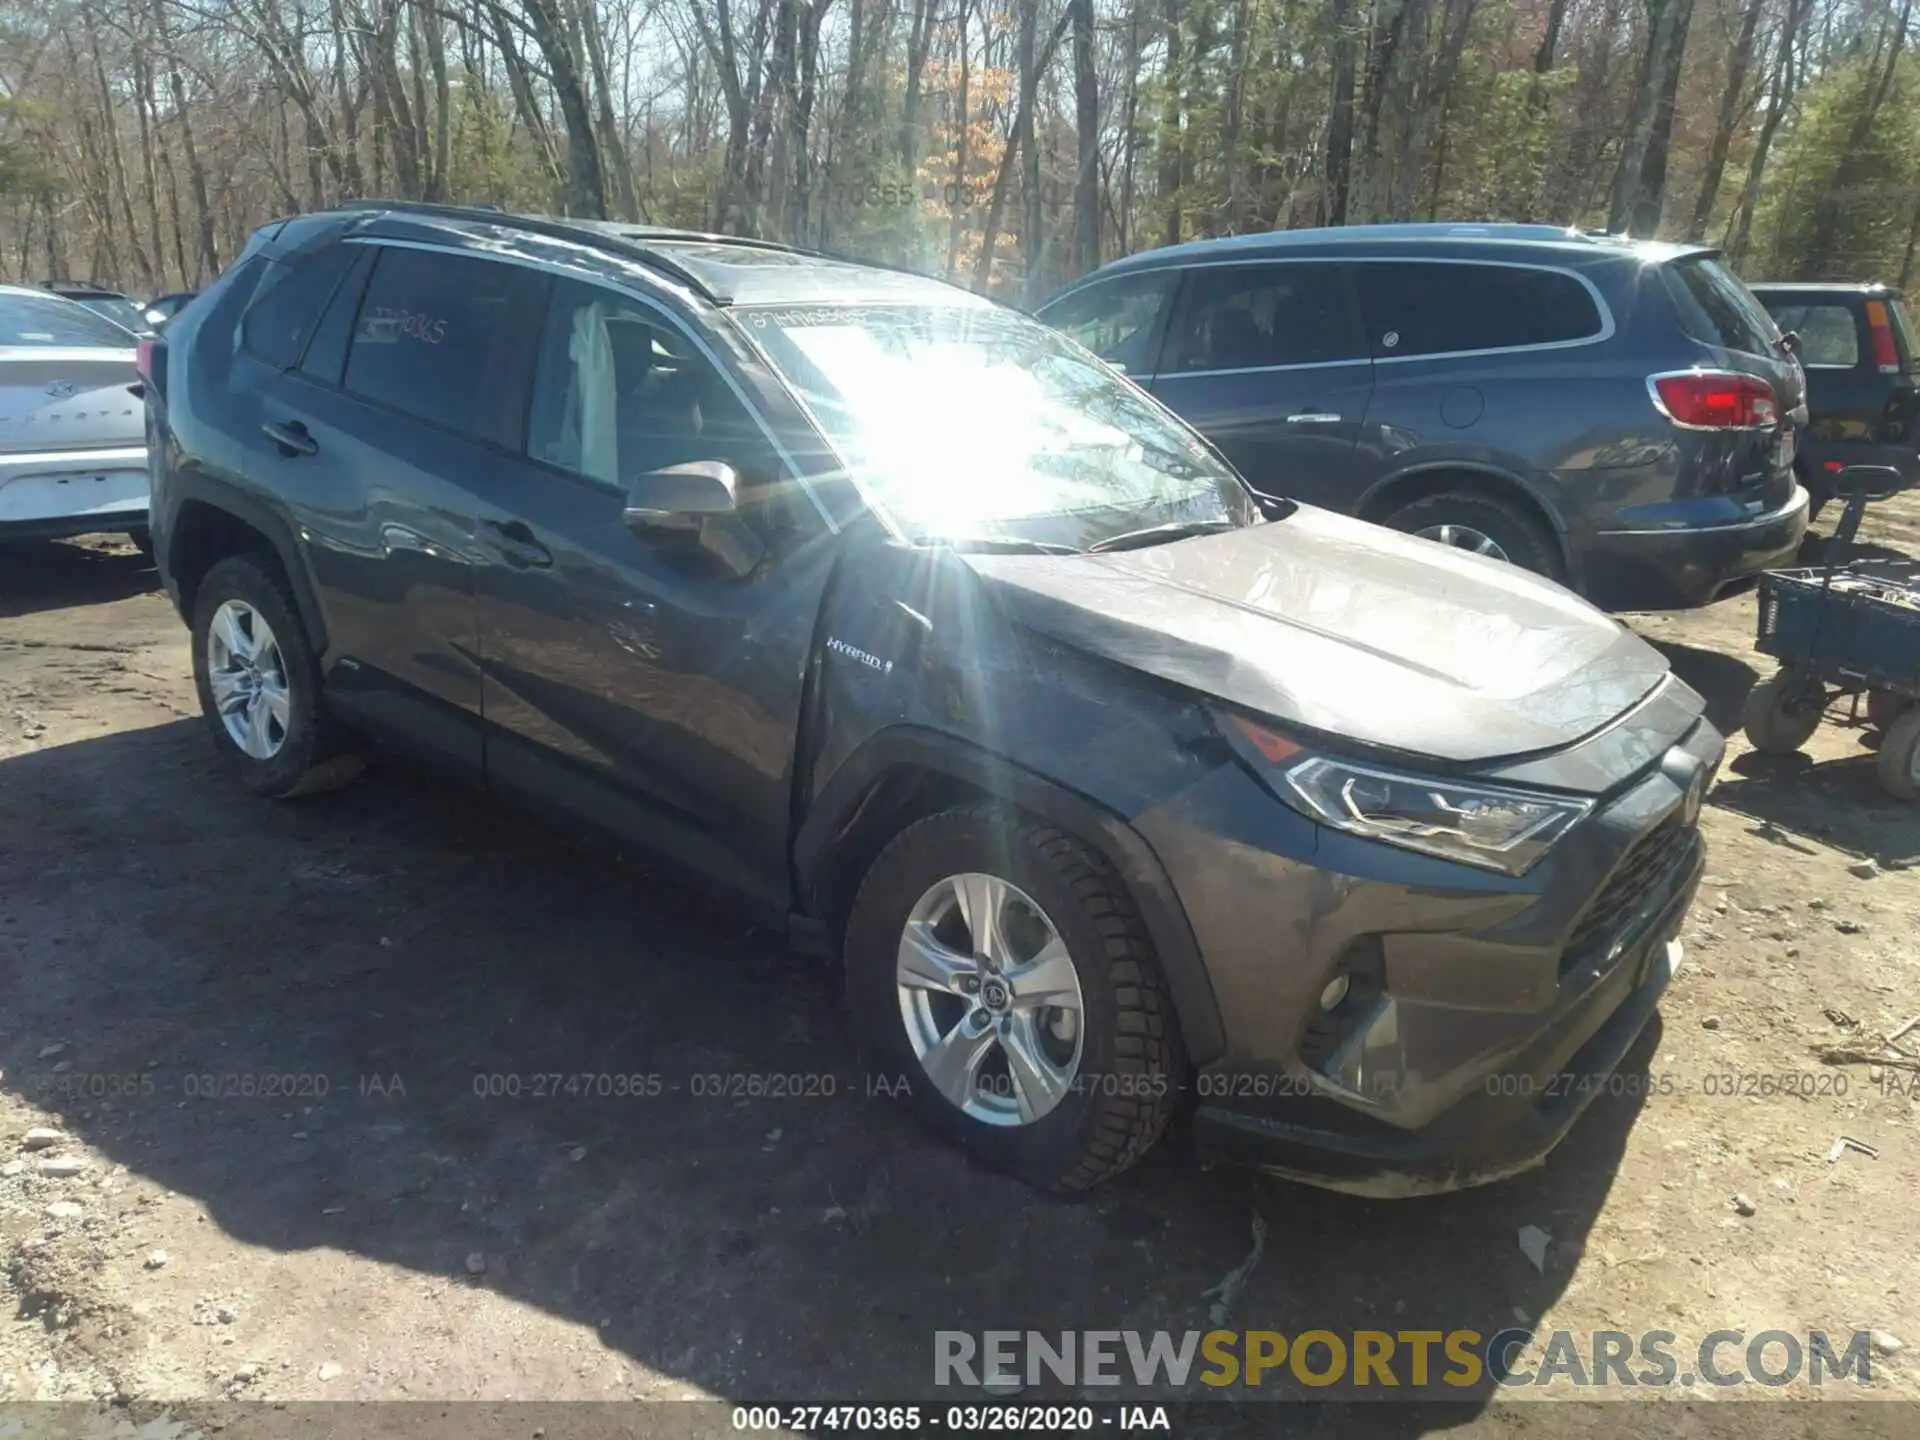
<point x="1117" y="791"/>
<point x="1616" y="415"/>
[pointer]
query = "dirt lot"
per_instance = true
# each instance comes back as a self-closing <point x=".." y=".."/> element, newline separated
<point x="387" y="1232"/>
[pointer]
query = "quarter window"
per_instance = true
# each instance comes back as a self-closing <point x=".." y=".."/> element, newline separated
<point x="434" y="338"/>
<point x="289" y="300"/>
<point x="1442" y="307"/>
<point x="1248" y="317"/>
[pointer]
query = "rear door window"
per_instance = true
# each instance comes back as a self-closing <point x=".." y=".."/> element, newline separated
<point x="30" y="321"/>
<point x="1251" y="317"/>
<point x="287" y="302"/>
<point x="1119" y="319"/>
<point x="1716" y="309"/>
<point x="1447" y="307"/>
<point x="438" y="337"/>
<point x="1829" y="334"/>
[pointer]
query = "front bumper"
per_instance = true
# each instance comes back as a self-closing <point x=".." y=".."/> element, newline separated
<point x="1482" y="1013"/>
<point x="73" y="492"/>
<point x="1678" y="565"/>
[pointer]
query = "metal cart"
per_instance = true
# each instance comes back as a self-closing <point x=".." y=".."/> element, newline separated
<point x="1848" y="629"/>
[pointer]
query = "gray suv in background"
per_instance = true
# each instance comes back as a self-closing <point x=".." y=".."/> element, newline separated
<point x="1620" y="416"/>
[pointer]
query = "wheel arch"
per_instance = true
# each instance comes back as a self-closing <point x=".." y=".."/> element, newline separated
<point x="1417" y="482"/>
<point x="207" y="526"/>
<point x="903" y="774"/>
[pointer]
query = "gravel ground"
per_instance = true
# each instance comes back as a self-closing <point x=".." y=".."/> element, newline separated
<point x="373" y="1227"/>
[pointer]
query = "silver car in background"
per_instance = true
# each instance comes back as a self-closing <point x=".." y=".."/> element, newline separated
<point x="73" y="453"/>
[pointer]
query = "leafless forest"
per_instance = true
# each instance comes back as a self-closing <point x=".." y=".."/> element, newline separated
<point x="1010" y="144"/>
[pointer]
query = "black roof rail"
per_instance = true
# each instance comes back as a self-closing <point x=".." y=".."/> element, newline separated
<point x="626" y="240"/>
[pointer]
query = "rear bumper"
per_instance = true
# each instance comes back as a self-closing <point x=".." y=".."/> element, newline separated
<point x="73" y="492"/>
<point x="1680" y="566"/>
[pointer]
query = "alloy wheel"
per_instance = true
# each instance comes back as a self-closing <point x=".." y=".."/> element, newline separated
<point x="990" y="999"/>
<point x="1465" y="537"/>
<point x="248" y="678"/>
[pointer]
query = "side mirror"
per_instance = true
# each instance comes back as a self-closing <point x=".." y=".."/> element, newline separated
<point x="680" y="497"/>
<point x="698" y="502"/>
<point x="1875" y="482"/>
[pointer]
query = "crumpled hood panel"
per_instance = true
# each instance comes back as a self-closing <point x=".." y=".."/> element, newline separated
<point x="1347" y="628"/>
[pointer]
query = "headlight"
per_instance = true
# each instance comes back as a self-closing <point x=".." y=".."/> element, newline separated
<point x="1483" y="825"/>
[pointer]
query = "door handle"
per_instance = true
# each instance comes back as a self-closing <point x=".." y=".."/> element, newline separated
<point x="291" y="436"/>
<point x="1313" y="417"/>
<point x="516" y="542"/>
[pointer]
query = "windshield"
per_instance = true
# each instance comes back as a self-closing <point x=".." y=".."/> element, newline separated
<point x="975" y="424"/>
<point x="29" y="320"/>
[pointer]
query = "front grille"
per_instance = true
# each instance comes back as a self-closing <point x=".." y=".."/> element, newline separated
<point x="1648" y="865"/>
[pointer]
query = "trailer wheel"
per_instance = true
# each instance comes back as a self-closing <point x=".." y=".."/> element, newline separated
<point x="1899" y="762"/>
<point x="1884" y="707"/>
<point x="1782" y="713"/>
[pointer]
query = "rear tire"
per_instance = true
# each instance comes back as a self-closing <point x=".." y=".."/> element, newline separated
<point x="1102" y="1107"/>
<point x="1782" y="712"/>
<point x="259" y="683"/>
<point x="1899" y="761"/>
<point x="142" y="541"/>
<point x="1884" y="707"/>
<point x="1474" y="520"/>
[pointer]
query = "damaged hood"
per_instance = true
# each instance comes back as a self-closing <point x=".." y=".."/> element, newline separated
<point x="1349" y="629"/>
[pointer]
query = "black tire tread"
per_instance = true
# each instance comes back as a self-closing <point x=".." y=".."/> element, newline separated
<point x="1147" y="1038"/>
<point x="330" y="763"/>
<point x="1897" y="752"/>
<point x="1431" y="509"/>
<point x="1768" y="728"/>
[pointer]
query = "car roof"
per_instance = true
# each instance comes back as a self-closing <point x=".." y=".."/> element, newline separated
<point x="724" y="269"/>
<point x="1440" y="239"/>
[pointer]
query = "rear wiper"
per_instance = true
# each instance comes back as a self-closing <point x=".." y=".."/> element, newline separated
<point x="1153" y="534"/>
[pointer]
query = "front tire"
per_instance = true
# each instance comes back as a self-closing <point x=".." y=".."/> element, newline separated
<point x="1000" y="966"/>
<point x="259" y="683"/>
<point x="1782" y="712"/>
<point x="1482" y="524"/>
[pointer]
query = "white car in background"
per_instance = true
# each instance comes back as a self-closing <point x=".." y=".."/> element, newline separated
<point x="73" y="444"/>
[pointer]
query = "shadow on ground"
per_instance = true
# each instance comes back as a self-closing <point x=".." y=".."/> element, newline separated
<point x="1723" y="680"/>
<point x="407" y="929"/>
<point x="38" y="575"/>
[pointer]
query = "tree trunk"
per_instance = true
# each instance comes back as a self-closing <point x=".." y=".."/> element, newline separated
<point x="1086" y="127"/>
<point x="1640" y="182"/>
<point x="1339" y="165"/>
<point x="1733" y="104"/>
<point x="1022" y="136"/>
<point x="1781" y="88"/>
<point x="196" y="172"/>
<point x="1169" y="143"/>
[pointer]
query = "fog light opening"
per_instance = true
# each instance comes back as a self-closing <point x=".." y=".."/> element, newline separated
<point x="1335" y="992"/>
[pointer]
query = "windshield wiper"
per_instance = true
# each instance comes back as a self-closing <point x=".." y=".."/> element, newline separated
<point x="1154" y="534"/>
<point x="1002" y="545"/>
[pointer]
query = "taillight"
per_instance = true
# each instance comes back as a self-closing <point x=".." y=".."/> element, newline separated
<point x="1715" y="400"/>
<point x="143" y="358"/>
<point x="1886" y="354"/>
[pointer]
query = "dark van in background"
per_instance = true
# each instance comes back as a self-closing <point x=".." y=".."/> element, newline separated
<point x="1617" y="415"/>
<point x="1857" y="347"/>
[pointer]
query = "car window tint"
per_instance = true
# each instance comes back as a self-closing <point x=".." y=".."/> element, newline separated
<point x="287" y="302"/>
<point x="326" y="353"/>
<point x="1440" y="307"/>
<point x="1117" y="319"/>
<point x="432" y="337"/>
<point x="30" y="321"/>
<point x="1244" y="317"/>
<point x="618" y="391"/>
<point x="1717" y="309"/>
<point x="1828" y="336"/>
